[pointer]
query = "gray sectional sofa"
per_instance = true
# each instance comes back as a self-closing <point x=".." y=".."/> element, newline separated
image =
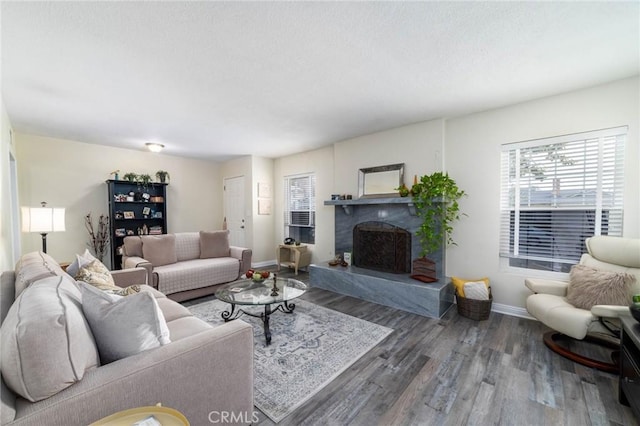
<point x="51" y="356"/>
<point x="186" y="265"/>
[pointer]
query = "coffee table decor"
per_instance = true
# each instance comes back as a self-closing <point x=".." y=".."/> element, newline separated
<point x="309" y="349"/>
<point x="276" y="292"/>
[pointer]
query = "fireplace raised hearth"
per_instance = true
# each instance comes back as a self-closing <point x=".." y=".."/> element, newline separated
<point x="374" y="278"/>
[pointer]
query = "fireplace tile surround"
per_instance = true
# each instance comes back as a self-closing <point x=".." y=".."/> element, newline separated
<point x="399" y="291"/>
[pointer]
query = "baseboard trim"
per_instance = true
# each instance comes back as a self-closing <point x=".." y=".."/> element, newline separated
<point x="263" y="263"/>
<point x="513" y="311"/>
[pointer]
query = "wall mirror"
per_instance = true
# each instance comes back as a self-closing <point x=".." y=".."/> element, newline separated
<point x="381" y="181"/>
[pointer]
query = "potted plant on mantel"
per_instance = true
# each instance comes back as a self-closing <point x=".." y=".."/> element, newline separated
<point x="436" y="199"/>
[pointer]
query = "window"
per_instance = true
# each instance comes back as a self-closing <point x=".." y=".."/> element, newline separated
<point x="300" y="214"/>
<point x="557" y="192"/>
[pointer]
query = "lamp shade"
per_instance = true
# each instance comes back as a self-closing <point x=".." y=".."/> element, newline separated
<point x="42" y="219"/>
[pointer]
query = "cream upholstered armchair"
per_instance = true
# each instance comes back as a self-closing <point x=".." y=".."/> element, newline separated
<point x="611" y="265"/>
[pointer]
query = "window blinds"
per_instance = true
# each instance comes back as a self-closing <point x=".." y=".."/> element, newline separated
<point x="300" y="200"/>
<point x="556" y="192"/>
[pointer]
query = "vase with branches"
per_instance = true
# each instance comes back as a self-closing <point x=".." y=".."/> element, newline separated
<point x="98" y="238"/>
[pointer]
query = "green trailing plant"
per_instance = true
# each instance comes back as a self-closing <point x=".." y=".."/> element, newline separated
<point x="131" y="177"/>
<point x="162" y="175"/>
<point x="436" y="199"/>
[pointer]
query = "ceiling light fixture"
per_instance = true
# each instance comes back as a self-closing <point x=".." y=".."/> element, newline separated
<point x="155" y="147"/>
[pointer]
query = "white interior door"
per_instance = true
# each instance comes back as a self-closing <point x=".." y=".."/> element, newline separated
<point x="234" y="210"/>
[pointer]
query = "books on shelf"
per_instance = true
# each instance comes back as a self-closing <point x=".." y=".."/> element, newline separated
<point x="155" y="230"/>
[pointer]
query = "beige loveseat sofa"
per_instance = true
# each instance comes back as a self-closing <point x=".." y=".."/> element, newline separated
<point x="51" y="369"/>
<point x="186" y="265"/>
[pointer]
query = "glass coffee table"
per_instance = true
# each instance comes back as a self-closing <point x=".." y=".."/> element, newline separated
<point x="271" y="291"/>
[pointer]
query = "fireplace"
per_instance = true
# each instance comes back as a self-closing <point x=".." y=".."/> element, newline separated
<point x="382" y="247"/>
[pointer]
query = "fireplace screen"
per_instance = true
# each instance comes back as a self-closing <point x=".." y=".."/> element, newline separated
<point x="383" y="247"/>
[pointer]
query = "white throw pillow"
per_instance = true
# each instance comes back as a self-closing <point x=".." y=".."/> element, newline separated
<point x="123" y="326"/>
<point x="476" y="290"/>
<point x="80" y="261"/>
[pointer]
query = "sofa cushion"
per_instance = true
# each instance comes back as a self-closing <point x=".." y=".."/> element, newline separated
<point x="197" y="273"/>
<point x="214" y="244"/>
<point x="159" y="249"/>
<point x="187" y="245"/>
<point x="123" y="326"/>
<point x="33" y="266"/>
<point x="589" y="287"/>
<point x="47" y="344"/>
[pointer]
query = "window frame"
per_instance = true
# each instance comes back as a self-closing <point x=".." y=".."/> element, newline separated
<point x="608" y="171"/>
<point x="307" y="237"/>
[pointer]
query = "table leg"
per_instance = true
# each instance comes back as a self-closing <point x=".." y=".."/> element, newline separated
<point x="265" y="320"/>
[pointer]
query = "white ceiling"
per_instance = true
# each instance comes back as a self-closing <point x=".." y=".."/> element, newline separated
<point x="221" y="79"/>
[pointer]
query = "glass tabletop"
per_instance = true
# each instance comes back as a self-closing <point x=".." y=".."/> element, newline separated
<point x="250" y="292"/>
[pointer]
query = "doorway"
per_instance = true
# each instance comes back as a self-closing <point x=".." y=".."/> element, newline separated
<point x="234" y="210"/>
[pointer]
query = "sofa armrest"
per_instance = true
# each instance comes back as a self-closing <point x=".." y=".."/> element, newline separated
<point x="540" y="285"/>
<point x="610" y="311"/>
<point x="211" y="371"/>
<point x="127" y="277"/>
<point x="129" y="262"/>
<point x="244" y="255"/>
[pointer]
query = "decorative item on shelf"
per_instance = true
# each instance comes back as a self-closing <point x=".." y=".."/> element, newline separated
<point x="163" y="176"/>
<point x="335" y="196"/>
<point x="115" y="174"/>
<point x="131" y="177"/>
<point x="131" y="196"/>
<point x="146" y="211"/>
<point x="98" y="238"/>
<point x="403" y="190"/>
<point x="129" y="215"/>
<point x="157" y="199"/>
<point x="146" y="197"/>
<point x="118" y="215"/>
<point x="145" y="179"/>
<point x="121" y="232"/>
<point x="155" y="230"/>
<point x="436" y="199"/>
<point x="415" y="188"/>
<point x="130" y="232"/>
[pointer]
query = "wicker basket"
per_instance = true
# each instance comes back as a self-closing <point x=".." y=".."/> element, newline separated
<point x="473" y="308"/>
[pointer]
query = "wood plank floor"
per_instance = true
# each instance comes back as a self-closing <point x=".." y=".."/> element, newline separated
<point x="457" y="371"/>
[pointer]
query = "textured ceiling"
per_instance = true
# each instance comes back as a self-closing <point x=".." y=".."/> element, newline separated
<point x="220" y="79"/>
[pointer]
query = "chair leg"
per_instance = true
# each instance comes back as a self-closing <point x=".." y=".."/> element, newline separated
<point x="550" y="339"/>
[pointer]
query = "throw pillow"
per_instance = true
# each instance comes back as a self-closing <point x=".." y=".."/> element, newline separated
<point x="80" y="260"/>
<point x="32" y="267"/>
<point x="159" y="249"/>
<point x="214" y="244"/>
<point x="47" y="344"/>
<point x="476" y="290"/>
<point x="458" y="283"/>
<point x="96" y="274"/>
<point x="124" y="326"/>
<point x="589" y="287"/>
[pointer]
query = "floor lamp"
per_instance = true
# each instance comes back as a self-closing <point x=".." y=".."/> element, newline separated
<point x="43" y="220"/>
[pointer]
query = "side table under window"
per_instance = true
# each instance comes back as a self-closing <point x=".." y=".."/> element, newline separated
<point x="293" y="256"/>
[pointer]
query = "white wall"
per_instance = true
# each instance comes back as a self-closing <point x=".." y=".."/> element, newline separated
<point x="7" y="148"/>
<point x="473" y="159"/>
<point x="72" y="175"/>
<point x="419" y="146"/>
<point x="320" y="162"/>
<point x="264" y="225"/>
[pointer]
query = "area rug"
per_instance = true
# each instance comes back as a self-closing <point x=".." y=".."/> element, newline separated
<point x="309" y="349"/>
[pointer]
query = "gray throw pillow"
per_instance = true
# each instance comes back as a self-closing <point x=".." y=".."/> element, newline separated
<point x="589" y="287"/>
<point x="123" y="326"/>
<point x="47" y="344"/>
<point x="214" y="244"/>
<point x="159" y="249"/>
